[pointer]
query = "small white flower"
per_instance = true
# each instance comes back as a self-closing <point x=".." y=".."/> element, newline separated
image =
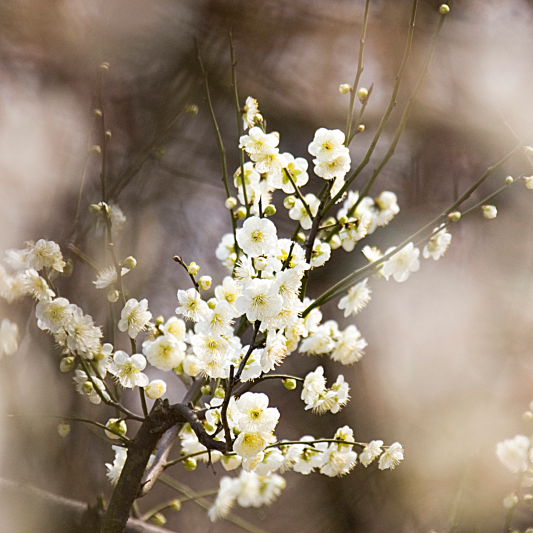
<point x="260" y="300"/>
<point x="54" y="314"/>
<point x="108" y="276"/>
<point x="326" y="143"/>
<point x="250" y="445"/>
<point x="313" y="387"/>
<point x="437" y="244"/>
<point x="349" y="347"/>
<point x="402" y="263"/>
<point x="513" y="453"/>
<point x="114" y="470"/>
<point x="254" y="415"/>
<point x="135" y="317"/>
<point x="356" y="299"/>
<point x="250" y="113"/>
<point x="128" y="370"/>
<point x="165" y="352"/>
<point x="371" y="452"/>
<point x="257" y="236"/>
<point x="391" y="457"/>
<point x="192" y="306"/>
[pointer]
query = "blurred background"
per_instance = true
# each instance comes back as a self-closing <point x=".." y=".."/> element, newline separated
<point x="448" y="368"/>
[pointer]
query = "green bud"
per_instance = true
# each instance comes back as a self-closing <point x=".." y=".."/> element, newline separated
<point x="193" y="268"/>
<point x="231" y="202"/>
<point x="67" y="364"/>
<point x="362" y="94"/>
<point x="444" y="9"/>
<point x="241" y="212"/>
<point x="454" y="216"/>
<point x="206" y="390"/>
<point x="300" y="237"/>
<point x="190" y="463"/>
<point x="158" y="519"/>
<point x="270" y="210"/>
<point x="289" y="383"/>
<point x="176" y="505"/>
<point x="130" y="262"/>
<point x="220" y="392"/>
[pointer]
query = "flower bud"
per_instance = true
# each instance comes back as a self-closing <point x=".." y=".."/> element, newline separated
<point x="454" y="216"/>
<point x="193" y="268"/>
<point x="444" y="9"/>
<point x="289" y="202"/>
<point x="528" y="415"/>
<point x="63" y="429"/>
<point x="361" y="128"/>
<point x="509" y="180"/>
<point x="67" y="364"/>
<point x="343" y="220"/>
<point x="300" y="237"/>
<point x="528" y="497"/>
<point x="212" y="303"/>
<point x="345" y="88"/>
<point x="158" y="519"/>
<point x="362" y="94"/>
<point x="155" y="389"/>
<point x="190" y="463"/>
<point x="192" y="109"/>
<point x="113" y="295"/>
<point x="205" y="282"/>
<point x="489" y="211"/>
<point x="270" y="210"/>
<point x="175" y="505"/>
<point x="68" y="268"/>
<point x="289" y="383"/>
<point x="95" y="208"/>
<point x="335" y="242"/>
<point x="260" y="263"/>
<point x="220" y="392"/>
<point x="231" y="202"/>
<point x="87" y="387"/>
<point x="116" y="425"/>
<point x="206" y="390"/>
<point x="528" y="180"/>
<point x="105" y="65"/>
<point x="98" y="112"/>
<point x="130" y="262"/>
<point x="241" y="212"/>
<point x="160" y="320"/>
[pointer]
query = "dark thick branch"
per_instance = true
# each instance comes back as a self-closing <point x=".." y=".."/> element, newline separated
<point x="129" y="486"/>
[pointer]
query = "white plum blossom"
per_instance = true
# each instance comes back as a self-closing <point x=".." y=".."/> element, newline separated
<point x="251" y="113"/>
<point x="254" y="415"/>
<point x="191" y="305"/>
<point x="314" y="386"/>
<point x="108" y="276"/>
<point x="349" y="347"/>
<point x="356" y="298"/>
<point x="260" y="300"/>
<point x="128" y="370"/>
<point x="371" y="452"/>
<point x="164" y="352"/>
<point x="391" y="457"/>
<point x="402" y="263"/>
<point x="300" y="213"/>
<point x="115" y="469"/>
<point x="134" y="317"/>
<point x="513" y="453"/>
<point x="437" y="244"/>
<point x="326" y="143"/>
<point x="54" y="314"/>
<point x="257" y="236"/>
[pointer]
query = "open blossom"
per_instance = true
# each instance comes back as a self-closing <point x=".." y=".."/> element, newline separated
<point x="437" y="244"/>
<point x="250" y="113"/>
<point x="299" y="211"/>
<point x="108" y="276"/>
<point x="54" y="314"/>
<point x="326" y="143"/>
<point x="305" y="458"/>
<point x="135" y="317"/>
<point x="258" y="142"/>
<point x="92" y="387"/>
<point x="349" y="347"/>
<point x="314" y="386"/>
<point x="356" y="299"/>
<point x="165" y="352"/>
<point x="128" y="370"/>
<point x="338" y="462"/>
<point x="82" y="336"/>
<point x="513" y="453"/>
<point x="257" y="236"/>
<point x="391" y="457"/>
<point x="402" y="263"/>
<point x="191" y="305"/>
<point x="387" y="203"/>
<point x="115" y="469"/>
<point x="254" y="415"/>
<point x="249" y="445"/>
<point x="370" y="452"/>
<point x="44" y="254"/>
<point x="260" y="300"/>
